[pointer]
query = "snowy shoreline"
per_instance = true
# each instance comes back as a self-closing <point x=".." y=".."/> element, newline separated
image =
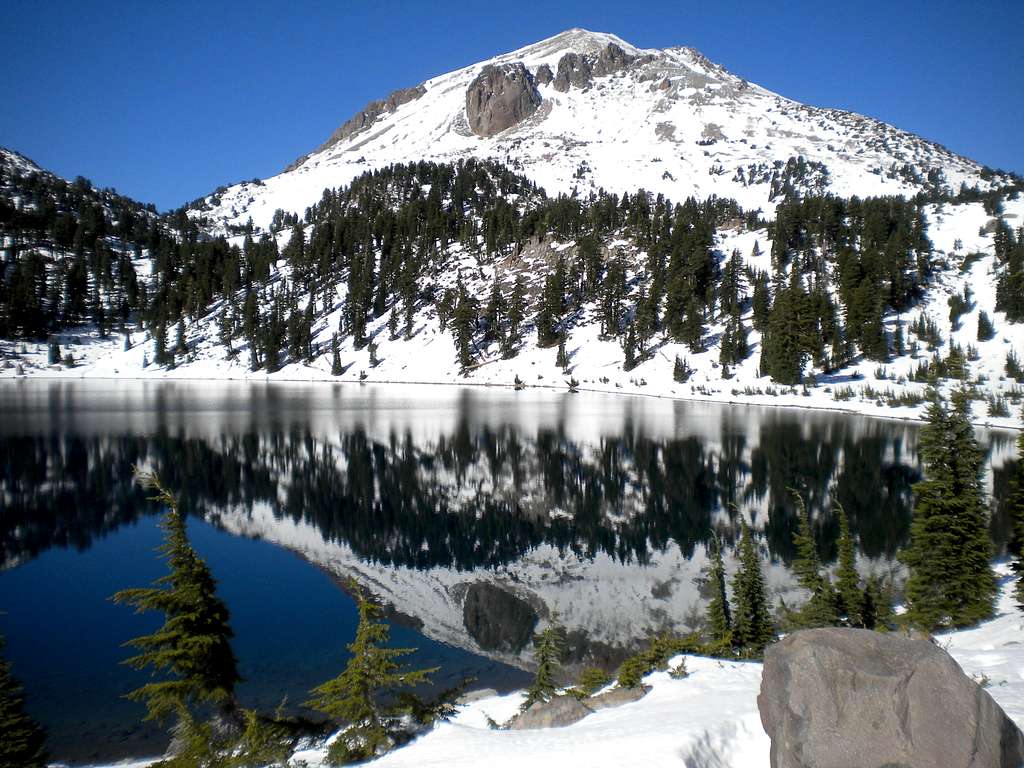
<point x="792" y="402"/>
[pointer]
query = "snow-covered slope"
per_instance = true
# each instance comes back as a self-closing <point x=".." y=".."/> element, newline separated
<point x="668" y="121"/>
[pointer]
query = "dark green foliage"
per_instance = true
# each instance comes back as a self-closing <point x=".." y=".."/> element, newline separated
<point x="784" y="347"/>
<point x="562" y="358"/>
<point x="681" y="371"/>
<point x="733" y="348"/>
<point x="660" y="649"/>
<point x="752" y="622"/>
<point x="336" y="369"/>
<point x="951" y="582"/>
<point x="719" y="614"/>
<point x="1016" y="504"/>
<point x="762" y="301"/>
<point x="21" y="739"/>
<point x="1009" y="250"/>
<point x="629" y="350"/>
<point x="848" y="592"/>
<point x="592" y="679"/>
<point x="986" y="330"/>
<point x="549" y="644"/>
<point x="1013" y="367"/>
<point x="464" y="321"/>
<point x="356" y="697"/>
<point x="192" y="650"/>
<point x="820" y="608"/>
<point x="250" y="740"/>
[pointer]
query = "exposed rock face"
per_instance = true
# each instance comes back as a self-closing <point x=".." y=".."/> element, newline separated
<point x="612" y="59"/>
<point x="575" y="70"/>
<point x="497" y="619"/>
<point x="556" y="713"/>
<point x="365" y="117"/>
<point x="850" y="697"/>
<point x="544" y="74"/>
<point x="617" y="697"/>
<point x="499" y="97"/>
<point x="566" y="710"/>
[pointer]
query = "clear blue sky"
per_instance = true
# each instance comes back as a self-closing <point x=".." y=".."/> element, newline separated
<point x="166" y="101"/>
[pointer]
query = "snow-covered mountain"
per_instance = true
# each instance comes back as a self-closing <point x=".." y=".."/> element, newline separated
<point x="586" y="110"/>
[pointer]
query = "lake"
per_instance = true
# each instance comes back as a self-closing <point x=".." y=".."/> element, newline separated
<point x="472" y="513"/>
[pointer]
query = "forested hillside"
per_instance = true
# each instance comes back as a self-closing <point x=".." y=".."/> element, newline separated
<point x="475" y="254"/>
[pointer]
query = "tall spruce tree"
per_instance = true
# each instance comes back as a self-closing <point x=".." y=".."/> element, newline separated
<point x="358" y="697"/>
<point x="192" y="650"/>
<point x="820" y="608"/>
<point x="21" y="739"/>
<point x="849" y="596"/>
<point x="719" y="615"/>
<point x="336" y="369"/>
<point x="550" y="643"/>
<point x="1016" y="503"/>
<point x="951" y="582"/>
<point x="752" y="628"/>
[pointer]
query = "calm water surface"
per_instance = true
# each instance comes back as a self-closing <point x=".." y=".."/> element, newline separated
<point x="471" y="513"/>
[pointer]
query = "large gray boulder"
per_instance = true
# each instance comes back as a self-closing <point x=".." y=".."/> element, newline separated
<point x="851" y="698"/>
<point x="499" y="97"/>
<point x="555" y="713"/>
<point x="616" y="697"/>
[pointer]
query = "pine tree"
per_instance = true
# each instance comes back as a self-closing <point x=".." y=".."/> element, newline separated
<point x="849" y="595"/>
<point x="21" y="738"/>
<point x="550" y="643"/>
<point x="562" y="358"/>
<point x="1016" y="504"/>
<point x="951" y="582"/>
<point x="357" y="697"/>
<point x="516" y="315"/>
<point x="181" y="348"/>
<point x="629" y="349"/>
<point x="463" y="323"/>
<point x="681" y="370"/>
<point x="719" y="615"/>
<point x="752" y="626"/>
<point x="393" y="324"/>
<point x="819" y="610"/>
<point x="193" y="647"/>
<point x="336" y="369"/>
<point x="986" y="330"/>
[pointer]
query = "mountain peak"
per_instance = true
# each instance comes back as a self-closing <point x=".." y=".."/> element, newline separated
<point x="575" y="40"/>
<point x="582" y="111"/>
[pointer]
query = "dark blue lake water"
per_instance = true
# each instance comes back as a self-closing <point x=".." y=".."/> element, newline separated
<point x="472" y="514"/>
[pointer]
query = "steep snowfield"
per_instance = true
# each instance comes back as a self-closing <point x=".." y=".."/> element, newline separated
<point x="706" y="720"/>
<point x="672" y="123"/>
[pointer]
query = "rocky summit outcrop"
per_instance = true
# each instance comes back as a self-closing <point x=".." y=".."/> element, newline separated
<point x="859" y="699"/>
<point x="501" y="96"/>
<point x="578" y="70"/>
<point x="365" y="117"/>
